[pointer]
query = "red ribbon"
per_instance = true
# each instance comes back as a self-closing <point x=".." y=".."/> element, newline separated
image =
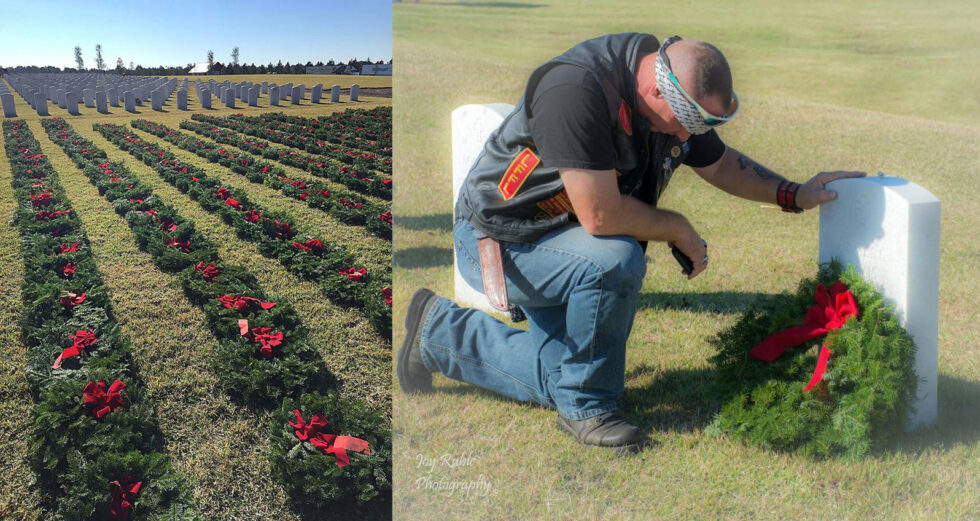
<point x="65" y="248"/>
<point x="831" y="311"/>
<point x="46" y="215"/>
<point x="222" y="193"/>
<point x="252" y="216"/>
<point x="210" y="271"/>
<point x="313" y="431"/>
<point x="41" y="199"/>
<point x="182" y="245"/>
<point x="103" y="401"/>
<point x="357" y="275"/>
<point x="69" y="269"/>
<point x="285" y="231"/>
<point x="261" y="335"/>
<point x="233" y="203"/>
<point x="386" y="293"/>
<point x="241" y="303"/>
<point x="308" y="245"/>
<point x="80" y="340"/>
<point x="122" y="499"/>
<point x="70" y="300"/>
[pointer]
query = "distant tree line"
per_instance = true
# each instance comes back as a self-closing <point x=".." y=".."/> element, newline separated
<point x="216" y="68"/>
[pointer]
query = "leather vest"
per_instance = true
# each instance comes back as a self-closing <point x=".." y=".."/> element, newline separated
<point x="510" y="195"/>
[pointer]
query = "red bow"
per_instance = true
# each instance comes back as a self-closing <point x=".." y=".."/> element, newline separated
<point x="65" y="248"/>
<point x="233" y="203"/>
<point x="103" y="401"/>
<point x="308" y="245"/>
<point x="252" y="216"/>
<point x="262" y="335"/>
<point x="386" y="292"/>
<point x="222" y="193"/>
<point x="70" y="299"/>
<point x="241" y="303"/>
<point x="182" y="245"/>
<point x="210" y="271"/>
<point x="830" y="312"/>
<point x="41" y="199"/>
<point x="69" y="269"/>
<point x="357" y="275"/>
<point x="327" y="443"/>
<point x="386" y="217"/>
<point x="45" y="215"/>
<point x="122" y="499"/>
<point x="80" y="340"/>
<point x="284" y="229"/>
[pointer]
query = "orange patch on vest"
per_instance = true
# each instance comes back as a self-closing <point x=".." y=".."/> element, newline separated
<point x="557" y="205"/>
<point x="518" y="172"/>
<point x="626" y="118"/>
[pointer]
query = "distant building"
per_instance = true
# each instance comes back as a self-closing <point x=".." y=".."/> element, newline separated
<point x="381" y="69"/>
<point x="326" y="69"/>
<point x="200" y="68"/>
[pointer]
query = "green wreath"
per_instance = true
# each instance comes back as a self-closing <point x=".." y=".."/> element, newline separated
<point x="862" y="399"/>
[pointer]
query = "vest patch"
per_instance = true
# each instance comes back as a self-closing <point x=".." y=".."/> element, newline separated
<point x="626" y="118"/>
<point x="518" y="172"/>
<point x="557" y="205"/>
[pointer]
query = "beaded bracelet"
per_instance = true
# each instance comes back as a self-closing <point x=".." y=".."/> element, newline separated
<point x="786" y="196"/>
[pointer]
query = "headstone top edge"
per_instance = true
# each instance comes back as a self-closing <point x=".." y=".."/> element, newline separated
<point x="911" y="192"/>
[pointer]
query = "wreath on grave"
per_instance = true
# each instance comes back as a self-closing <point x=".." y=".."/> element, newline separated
<point x="840" y="384"/>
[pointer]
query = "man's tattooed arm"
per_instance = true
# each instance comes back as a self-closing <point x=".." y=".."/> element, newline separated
<point x="764" y="173"/>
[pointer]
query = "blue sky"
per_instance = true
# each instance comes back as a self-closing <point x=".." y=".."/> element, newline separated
<point x="162" y="32"/>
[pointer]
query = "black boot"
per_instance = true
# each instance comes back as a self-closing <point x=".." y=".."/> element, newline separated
<point x="607" y="430"/>
<point x="413" y="375"/>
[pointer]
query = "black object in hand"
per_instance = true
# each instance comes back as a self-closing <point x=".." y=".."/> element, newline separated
<point x="686" y="264"/>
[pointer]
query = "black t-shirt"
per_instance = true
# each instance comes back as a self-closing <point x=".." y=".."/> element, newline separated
<point x="570" y="124"/>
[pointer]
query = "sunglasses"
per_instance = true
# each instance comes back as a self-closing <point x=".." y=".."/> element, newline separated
<point x="708" y="118"/>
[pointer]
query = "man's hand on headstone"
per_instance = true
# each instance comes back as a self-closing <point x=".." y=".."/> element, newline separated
<point x="813" y="193"/>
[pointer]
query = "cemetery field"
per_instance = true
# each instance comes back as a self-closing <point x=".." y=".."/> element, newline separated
<point x="345" y="81"/>
<point x="217" y="440"/>
<point x="855" y="86"/>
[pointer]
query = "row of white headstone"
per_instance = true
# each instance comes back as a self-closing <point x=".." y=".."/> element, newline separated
<point x="887" y="228"/>
<point x="98" y="91"/>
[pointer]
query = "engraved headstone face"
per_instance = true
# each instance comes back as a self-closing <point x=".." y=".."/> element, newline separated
<point x="88" y="95"/>
<point x="100" y="102"/>
<point x="129" y="98"/>
<point x="297" y="94"/>
<point x="182" y="99"/>
<point x="888" y="229"/>
<point x="9" y="109"/>
<point x="316" y="93"/>
<point x="71" y="100"/>
<point x="273" y="96"/>
<point x="335" y="94"/>
<point x="205" y="96"/>
<point x="41" y="104"/>
<point x="471" y="126"/>
<point x="253" y="96"/>
<point x="230" y="99"/>
<point x="113" y="93"/>
<point x="355" y="92"/>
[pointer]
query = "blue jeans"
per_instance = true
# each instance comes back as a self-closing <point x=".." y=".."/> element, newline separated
<point x="579" y="294"/>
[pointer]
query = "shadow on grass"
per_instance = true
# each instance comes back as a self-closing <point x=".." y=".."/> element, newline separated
<point x="669" y="400"/>
<point x="441" y="222"/>
<point x="379" y="508"/>
<point x="423" y="257"/>
<point x="958" y="421"/>
<point x="717" y="302"/>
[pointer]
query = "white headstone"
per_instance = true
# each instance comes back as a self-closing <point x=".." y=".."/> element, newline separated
<point x="129" y="98"/>
<point x="355" y="92"/>
<point x="335" y="94"/>
<point x="113" y="96"/>
<point x="100" y="103"/>
<point x="284" y="91"/>
<point x="156" y="100"/>
<point x="9" y="109"/>
<point x="41" y="104"/>
<point x="182" y="99"/>
<point x="89" y="96"/>
<point x="273" y="96"/>
<point x="471" y="126"/>
<point x="253" y="96"/>
<point x="297" y="95"/>
<point x="71" y="100"/>
<point x="888" y="229"/>
<point x="205" y="98"/>
<point x="230" y="98"/>
<point x="265" y="87"/>
<point x="316" y="92"/>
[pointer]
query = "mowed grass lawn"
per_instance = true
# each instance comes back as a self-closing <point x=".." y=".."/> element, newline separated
<point x="850" y="85"/>
<point x="219" y="444"/>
